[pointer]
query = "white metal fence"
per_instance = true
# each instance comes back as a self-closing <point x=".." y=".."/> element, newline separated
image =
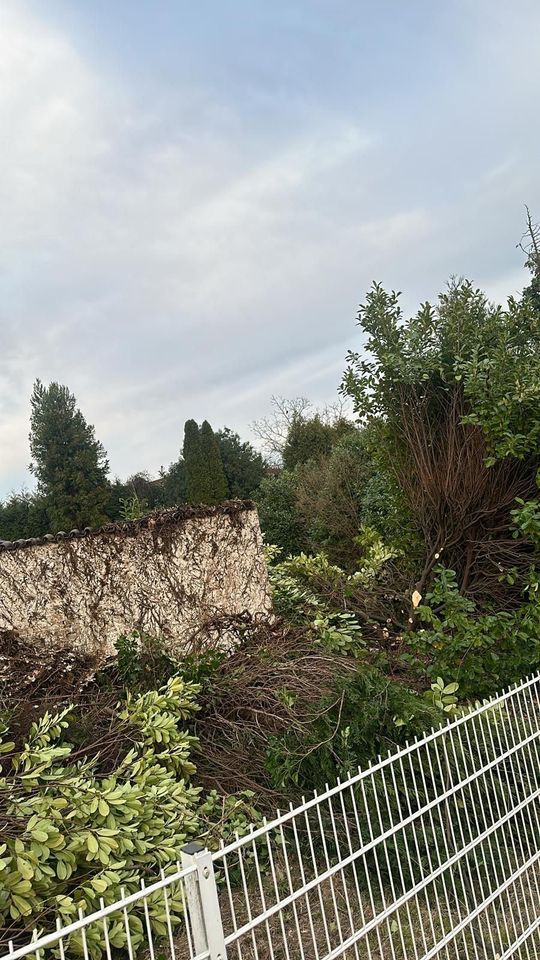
<point x="433" y="851"/>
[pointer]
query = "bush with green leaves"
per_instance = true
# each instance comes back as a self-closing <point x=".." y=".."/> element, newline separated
<point x="142" y="662"/>
<point x="76" y="833"/>
<point x="443" y="696"/>
<point x="501" y="377"/>
<point x="329" y="495"/>
<point x="371" y="714"/>
<point x="280" y="521"/>
<point x="448" y="399"/>
<point x="337" y="630"/>
<point x="482" y="651"/>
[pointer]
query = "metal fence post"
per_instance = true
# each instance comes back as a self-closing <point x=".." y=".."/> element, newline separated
<point x="203" y="903"/>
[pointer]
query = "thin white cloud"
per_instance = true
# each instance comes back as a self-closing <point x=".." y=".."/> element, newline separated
<point x="165" y="262"/>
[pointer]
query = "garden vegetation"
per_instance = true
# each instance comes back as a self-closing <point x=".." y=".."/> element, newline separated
<point x="403" y="532"/>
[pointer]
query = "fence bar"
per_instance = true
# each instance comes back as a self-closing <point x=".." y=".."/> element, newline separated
<point x="203" y="903"/>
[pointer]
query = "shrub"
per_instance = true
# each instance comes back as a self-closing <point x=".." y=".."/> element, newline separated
<point x="278" y="513"/>
<point x="276" y="682"/>
<point x="142" y="663"/>
<point x="78" y="830"/>
<point x="450" y="400"/>
<point x="75" y="835"/>
<point x="366" y="606"/>
<point x="482" y="651"/>
<point x="337" y="630"/>
<point x="370" y="715"/>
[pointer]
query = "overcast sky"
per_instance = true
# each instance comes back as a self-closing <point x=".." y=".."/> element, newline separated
<point x="195" y="196"/>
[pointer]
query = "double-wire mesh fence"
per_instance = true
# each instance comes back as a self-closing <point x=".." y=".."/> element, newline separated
<point x="433" y="851"/>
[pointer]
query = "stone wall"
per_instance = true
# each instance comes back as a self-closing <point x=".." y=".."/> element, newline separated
<point x="171" y="573"/>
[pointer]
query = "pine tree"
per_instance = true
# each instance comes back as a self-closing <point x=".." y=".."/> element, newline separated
<point x="205" y="477"/>
<point x="69" y="463"/>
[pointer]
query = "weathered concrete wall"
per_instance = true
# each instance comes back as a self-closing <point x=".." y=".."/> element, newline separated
<point x="171" y="573"/>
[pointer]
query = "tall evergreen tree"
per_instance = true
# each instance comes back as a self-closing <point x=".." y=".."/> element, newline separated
<point x="196" y="489"/>
<point x="69" y="463"/>
<point x="205" y="477"/>
<point x="215" y="474"/>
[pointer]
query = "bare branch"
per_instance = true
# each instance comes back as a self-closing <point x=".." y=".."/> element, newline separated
<point x="272" y="431"/>
<point x="530" y="244"/>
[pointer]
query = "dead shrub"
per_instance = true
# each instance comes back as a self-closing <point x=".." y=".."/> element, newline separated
<point x="277" y="681"/>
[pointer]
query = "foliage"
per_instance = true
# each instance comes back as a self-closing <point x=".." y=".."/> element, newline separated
<point x="318" y="506"/>
<point x="76" y="835"/>
<point x="272" y="431"/>
<point x="196" y="488"/>
<point x="147" y="491"/>
<point x="136" y="497"/>
<point x="425" y="353"/>
<point x="78" y="829"/>
<point x="69" y="463"/>
<point x="275" y="683"/>
<point x="482" y="651"/>
<point x="227" y="816"/>
<point x="142" y="662"/>
<point x="443" y="696"/>
<point x="526" y="521"/>
<point x="337" y="630"/>
<point x="383" y="508"/>
<point x="205" y="477"/>
<point x="371" y="715"/>
<point x="374" y="552"/>
<point x="312" y="438"/>
<point x="23" y="515"/>
<point x="278" y="515"/>
<point x="244" y="467"/>
<point x="415" y="391"/>
<point x="501" y="377"/>
<point x="174" y="483"/>
<point x="133" y="508"/>
<point x="368" y="597"/>
<point x="329" y="493"/>
<point x="213" y="466"/>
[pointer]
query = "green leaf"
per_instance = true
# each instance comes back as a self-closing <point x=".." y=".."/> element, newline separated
<point x="99" y="884"/>
<point x="92" y="843"/>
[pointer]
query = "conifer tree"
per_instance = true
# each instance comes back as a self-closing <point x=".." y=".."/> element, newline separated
<point x="211" y="456"/>
<point x="195" y="474"/>
<point x="244" y="467"/>
<point x="70" y="465"/>
<point x="205" y="477"/>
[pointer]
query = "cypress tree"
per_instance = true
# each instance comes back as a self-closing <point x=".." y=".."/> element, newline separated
<point x="205" y="477"/>
<point x="69" y="463"/>
<point x="195" y="474"/>
<point x="216" y="480"/>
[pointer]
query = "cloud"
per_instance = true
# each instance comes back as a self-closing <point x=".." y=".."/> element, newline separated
<point x="168" y="255"/>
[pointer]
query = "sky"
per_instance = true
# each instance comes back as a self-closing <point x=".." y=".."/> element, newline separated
<point x="195" y="197"/>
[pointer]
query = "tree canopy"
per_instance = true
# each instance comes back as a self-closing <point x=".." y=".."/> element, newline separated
<point x="70" y="465"/>
<point x="244" y="467"/>
<point x="205" y="477"/>
<point x="451" y="398"/>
